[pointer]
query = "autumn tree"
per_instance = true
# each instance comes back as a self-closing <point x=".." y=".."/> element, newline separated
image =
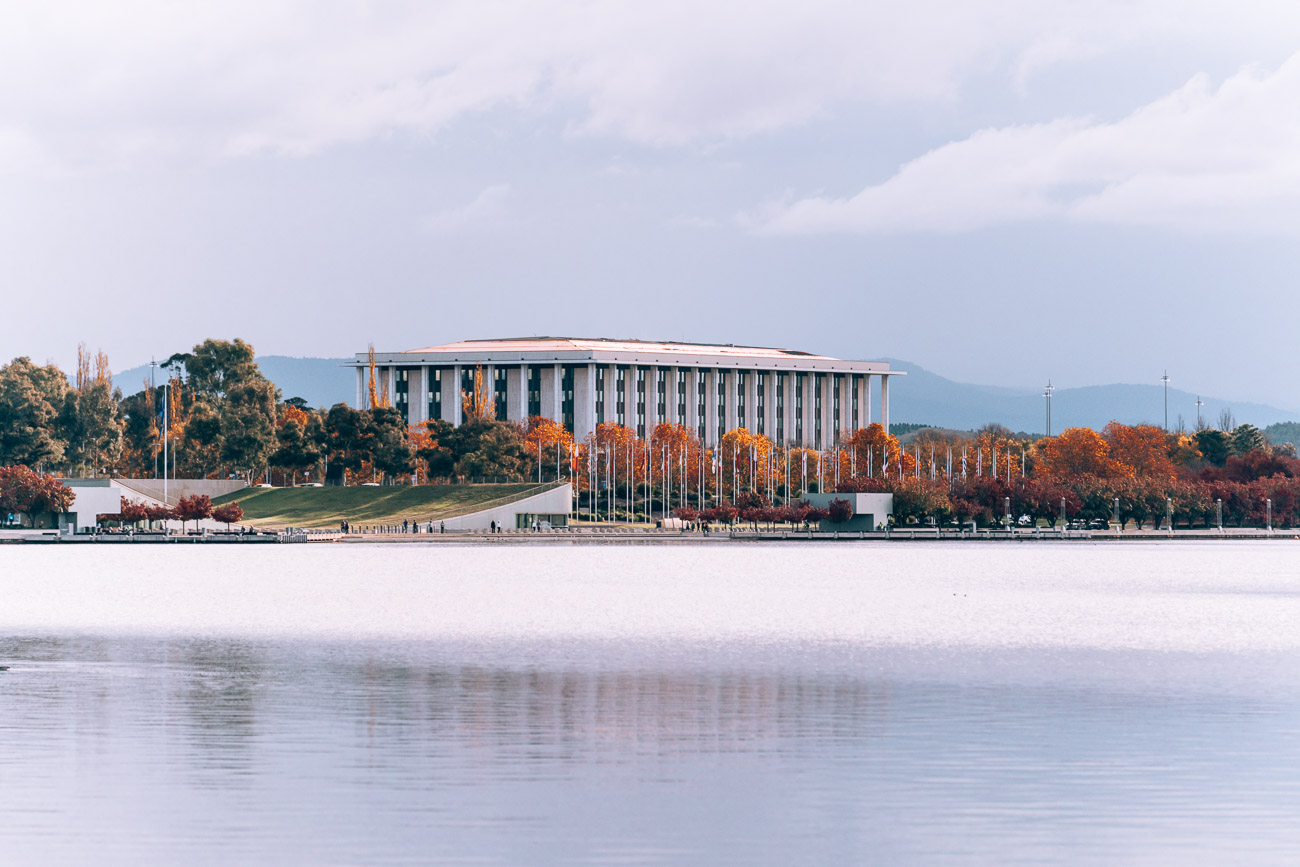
<point x="34" y="495"/>
<point x="1139" y="450"/>
<point x="1077" y="451"/>
<point x="194" y="508"/>
<point x="872" y="450"/>
<point x="230" y="513"/>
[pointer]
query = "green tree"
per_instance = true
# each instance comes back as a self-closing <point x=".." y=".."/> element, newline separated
<point x="1215" y="446"/>
<point x="94" y="428"/>
<point x="216" y="366"/>
<point x="32" y="420"/>
<point x="296" y="450"/>
<point x="346" y="436"/>
<point x="489" y="448"/>
<point x="248" y="425"/>
<point x="390" y="444"/>
<point x="1247" y="438"/>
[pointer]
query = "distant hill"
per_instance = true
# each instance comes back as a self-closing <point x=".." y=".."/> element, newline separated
<point x="926" y="397"/>
<point x="922" y="397"/>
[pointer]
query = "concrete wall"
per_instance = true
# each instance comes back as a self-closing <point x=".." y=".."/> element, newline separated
<point x="177" y="488"/>
<point x="556" y="501"/>
<point x="104" y="497"/>
<point x="878" y="506"/>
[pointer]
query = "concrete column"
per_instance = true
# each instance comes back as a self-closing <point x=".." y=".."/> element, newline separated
<point x="389" y="383"/>
<point x="551" y="391"/>
<point x="490" y="381"/>
<point x="652" y="400"/>
<point x="787" y="407"/>
<point x="417" y="406"/>
<point x="864" y="399"/>
<point x="846" y="406"/>
<point x="711" y="406"/>
<point x="866" y="403"/>
<point x="584" y="401"/>
<point x="884" y="402"/>
<point x="516" y="394"/>
<point x="611" y="393"/>
<point x="751" y="400"/>
<point x="454" y="412"/>
<point x="809" y="410"/>
<point x="361" y="389"/>
<point x="692" y="419"/>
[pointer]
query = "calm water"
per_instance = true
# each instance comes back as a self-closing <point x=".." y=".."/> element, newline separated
<point x="736" y="704"/>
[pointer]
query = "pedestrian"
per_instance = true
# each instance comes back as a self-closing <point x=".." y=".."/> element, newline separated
<point x="442" y="526"/>
<point x="494" y="527"/>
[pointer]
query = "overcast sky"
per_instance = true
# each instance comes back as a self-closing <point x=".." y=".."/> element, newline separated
<point x="1000" y="191"/>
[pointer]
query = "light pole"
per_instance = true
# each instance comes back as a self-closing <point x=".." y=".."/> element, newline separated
<point x="1199" y="403"/>
<point x="1165" y="380"/>
<point x="1047" y="393"/>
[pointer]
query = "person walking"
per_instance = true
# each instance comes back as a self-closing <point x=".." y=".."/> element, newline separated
<point x="442" y="527"/>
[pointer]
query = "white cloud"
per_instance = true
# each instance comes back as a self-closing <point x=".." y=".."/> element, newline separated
<point x="488" y="205"/>
<point x="140" y="80"/>
<point x="1201" y="158"/>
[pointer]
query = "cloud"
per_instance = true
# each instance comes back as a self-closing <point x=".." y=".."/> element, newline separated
<point x="94" y="85"/>
<point x="486" y="206"/>
<point x="1200" y="158"/>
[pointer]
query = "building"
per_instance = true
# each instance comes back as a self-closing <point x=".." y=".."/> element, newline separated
<point x="786" y="395"/>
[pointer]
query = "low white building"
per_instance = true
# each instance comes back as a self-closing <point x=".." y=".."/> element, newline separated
<point x="870" y="511"/>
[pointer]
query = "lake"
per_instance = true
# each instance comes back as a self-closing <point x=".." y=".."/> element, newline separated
<point x="927" y="703"/>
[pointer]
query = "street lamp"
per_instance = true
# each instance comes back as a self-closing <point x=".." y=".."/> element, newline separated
<point x="1165" y="380"/>
<point x="1047" y="393"/>
<point x="1199" y="403"/>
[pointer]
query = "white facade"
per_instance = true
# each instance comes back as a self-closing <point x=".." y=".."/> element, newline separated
<point x="788" y="396"/>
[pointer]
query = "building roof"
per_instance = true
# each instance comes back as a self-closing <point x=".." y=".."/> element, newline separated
<point x="608" y="344"/>
<point x="604" y="350"/>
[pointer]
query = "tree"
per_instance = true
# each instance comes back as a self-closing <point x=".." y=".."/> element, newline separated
<point x="391" y="451"/>
<point x="32" y="399"/>
<point x="347" y="433"/>
<point x="839" y="511"/>
<point x="27" y="492"/>
<point x="1140" y="450"/>
<point x="230" y="513"/>
<point x="1215" y="446"/>
<point x="295" y="451"/>
<point x="1078" y="451"/>
<point x="194" y="508"/>
<point x="132" y="511"/>
<point x="494" y="448"/>
<point x="248" y="425"/>
<point x="216" y="365"/>
<point x="1247" y="438"/>
<point x="427" y="438"/>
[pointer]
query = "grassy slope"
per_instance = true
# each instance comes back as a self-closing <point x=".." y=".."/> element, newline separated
<point x="325" y="507"/>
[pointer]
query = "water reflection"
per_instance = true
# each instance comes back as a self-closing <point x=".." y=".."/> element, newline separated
<point x="219" y="750"/>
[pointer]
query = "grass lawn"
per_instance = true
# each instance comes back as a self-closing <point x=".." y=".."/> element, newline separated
<point x="326" y="507"/>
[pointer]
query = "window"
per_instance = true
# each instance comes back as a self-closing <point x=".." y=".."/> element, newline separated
<point x="566" y="397"/>
<point x="817" y="410"/>
<point x="798" y="407"/>
<point x="702" y="401"/>
<point x="640" y="402"/>
<point x="500" y="396"/>
<point x="681" y="396"/>
<point x="835" y="404"/>
<point x="402" y="392"/>
<point x="760" y="413"/>
<point x="600" y="395"/>
<point x="620" y="395"/>
<point x="435" y="393"/>
<point x="534" y="391"/>
<point x="780" y="407"/>
<point x="722" y="404"/>
<point x="661" y="395"/>
<point x="855" y="383"/>
<point x="742" y="379"/>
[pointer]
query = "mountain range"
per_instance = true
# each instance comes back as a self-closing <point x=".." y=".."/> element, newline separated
<point x="922" y="397"/>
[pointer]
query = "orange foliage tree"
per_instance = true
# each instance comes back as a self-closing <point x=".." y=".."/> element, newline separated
<point x="1076" y="452"/>
<point x="1140" y="451"/>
